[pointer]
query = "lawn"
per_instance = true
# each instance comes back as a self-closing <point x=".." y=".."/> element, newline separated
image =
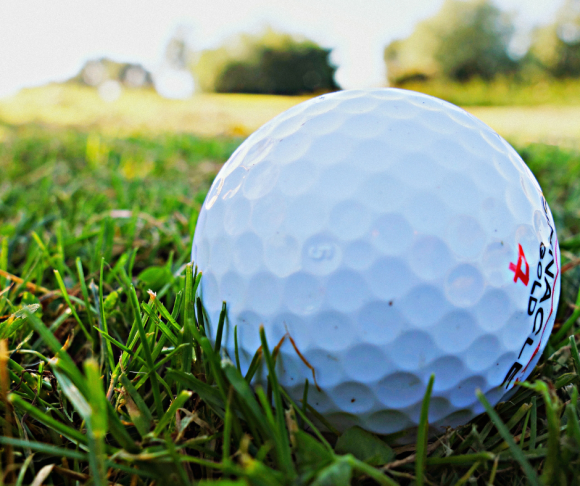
<point x="237" y="115"/>
<point x="103" y="382"/>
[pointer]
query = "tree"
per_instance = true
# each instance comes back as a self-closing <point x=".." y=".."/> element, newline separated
<point x="178" y="51"/>
<point x="273" y="63"/>
<point x="556" y="48"/>
<point x="465" y="39"/>
<point x="97" y="71"/>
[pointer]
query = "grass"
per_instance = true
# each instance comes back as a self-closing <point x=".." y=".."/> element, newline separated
<point x="103" y="382"/>
<point x="143" y="111"/>
<point x="503" y="92"/>
<point x="139" y="112"/>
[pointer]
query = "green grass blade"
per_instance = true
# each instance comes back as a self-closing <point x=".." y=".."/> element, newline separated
<point x="119" y="431"/>
<point x="98" y="423"/>
<point x="573" y="428"/>
<point x="3" y="260"/>
<point x="167" y="332"/>
<point x="200" y="316"/>
<point x="177" y="351"/>
<point x="266" y="407"/>
<point x="189" y="331"/>
<point x="85" y="293"/>
<point x="208" y="393"/>
<point x="551" y="468"/>
<point x="246" y="401"/>
<point x="65" y="430"/>
<point x="559" y="336"/>
<point x="307" y="421"/>
<point x="237" y="349"/>
<point x="44" y="448"/>
<point x="141" y="416"/>
<point x="66" y="297"/>
<point x="220" y="328"/>
<point x="460" y="460"/>
<point x="121" y="346"/>
<point x="212" y="359"/>
<point x="176" y="460"/>
<point x="23" y="470"/>
<point x="423" y="435"/>
<point x="170" y="414"/>
<point x="575" y="355"/>
<point x="227" y="428"/>
<point x="282" y="444"/>
<point x="371" y="472"/>
<point x="505" y="433"/>
<point x="74" y="395"/>
<point x="533" y="424"/>
<point x="64" y="362"/>
<point x="146" y="350"/>
<point x="103" y="317"/>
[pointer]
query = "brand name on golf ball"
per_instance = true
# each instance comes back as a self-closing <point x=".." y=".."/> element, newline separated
<point x="540" y="306"/>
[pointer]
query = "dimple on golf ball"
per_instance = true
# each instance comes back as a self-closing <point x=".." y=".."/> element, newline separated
<point x="392" y="236"/>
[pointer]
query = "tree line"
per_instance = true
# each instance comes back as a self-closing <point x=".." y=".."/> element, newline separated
<point x="465" y="40"/>
<point x="475" y="39"/>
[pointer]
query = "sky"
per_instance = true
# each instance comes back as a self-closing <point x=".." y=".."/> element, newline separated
<point x="49" y="40"/>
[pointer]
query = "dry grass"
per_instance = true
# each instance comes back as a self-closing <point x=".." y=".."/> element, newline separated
<point x="145" y="112"/>
<point x="142" y="111"/>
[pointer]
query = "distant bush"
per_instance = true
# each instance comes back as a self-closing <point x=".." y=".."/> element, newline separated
<point x="273" y="63"/>
<point x="464" y="40"/>
<point x="97" y="71"/>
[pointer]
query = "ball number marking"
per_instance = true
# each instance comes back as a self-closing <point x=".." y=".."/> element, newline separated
<point x="517" y="267"/>
<point x="321" y="252"/>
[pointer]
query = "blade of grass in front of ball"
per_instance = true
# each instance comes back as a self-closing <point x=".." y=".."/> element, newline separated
<point x="237" y="349"/>
<point x="552" y="404"/>
<point x="517" y="453"/>
<point x="525" y="428"/>
<point x="510" y="424"/>
<point x="246" y="400"/>
<point x="254" y="365"/>
<point x="533" y="424"/>
<point x="209" y="394"/>
<point x="423" y="435"/>
<point x="227" y="434"/>
<point x="190" y="333"/>
<point x="282" y="446"/>
<point x="220" y="328"/>
<point x="306" y="420"/>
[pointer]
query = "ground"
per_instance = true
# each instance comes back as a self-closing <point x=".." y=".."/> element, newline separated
<point x="105" y="373"/>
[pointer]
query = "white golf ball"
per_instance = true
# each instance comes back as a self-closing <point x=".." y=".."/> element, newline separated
<point x="392" y="236"/>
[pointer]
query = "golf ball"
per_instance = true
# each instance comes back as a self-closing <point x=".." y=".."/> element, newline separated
<point x="381" y="236"/>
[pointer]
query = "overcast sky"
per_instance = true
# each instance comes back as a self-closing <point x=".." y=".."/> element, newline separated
<point x="47" y="40"/>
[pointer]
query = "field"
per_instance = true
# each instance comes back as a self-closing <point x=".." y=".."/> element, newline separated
<point x="503" y="91"/>
<point x="103" y="382"/>
<point x="556" y="122"/>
